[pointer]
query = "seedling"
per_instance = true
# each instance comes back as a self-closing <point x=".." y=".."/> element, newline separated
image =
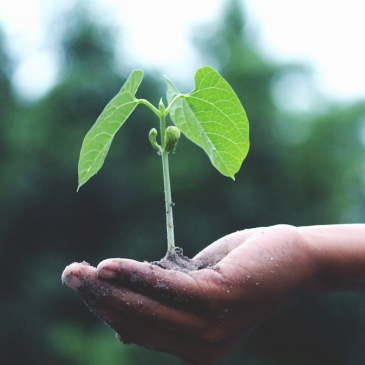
<point x="210" y="116"/>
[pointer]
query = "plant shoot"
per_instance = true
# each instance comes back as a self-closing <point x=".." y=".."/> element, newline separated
<point x="210" y="116"/>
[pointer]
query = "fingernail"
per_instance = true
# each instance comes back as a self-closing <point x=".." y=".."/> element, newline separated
<point x="107" y="274"/>
<point x="72" y="281"/>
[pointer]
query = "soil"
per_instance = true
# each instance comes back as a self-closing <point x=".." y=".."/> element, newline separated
<point x="179" y="262"/>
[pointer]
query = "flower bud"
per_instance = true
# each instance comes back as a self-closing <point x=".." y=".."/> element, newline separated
<point x="152" y="137"/>
<point x="172" y="137"/>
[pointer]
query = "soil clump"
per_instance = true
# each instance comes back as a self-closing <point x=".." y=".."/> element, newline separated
<point x="179" y="262"/>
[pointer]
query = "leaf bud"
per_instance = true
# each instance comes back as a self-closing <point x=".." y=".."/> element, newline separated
<point x="161" y="107"/>
<point x="172" y="136"/>
<point x="152" y="137"/>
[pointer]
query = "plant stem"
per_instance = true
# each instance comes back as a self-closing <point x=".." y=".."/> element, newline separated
<point x="180" y="96"/>
<point x="149" y="105"/>
<point x="167" y="186"/>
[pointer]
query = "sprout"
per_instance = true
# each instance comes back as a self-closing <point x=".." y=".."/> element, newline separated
<point x="211" y="116"/>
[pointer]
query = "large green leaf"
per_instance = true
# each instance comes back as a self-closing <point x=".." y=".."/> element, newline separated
<point x="212" y="117"/>
<point x="98" y="140"/>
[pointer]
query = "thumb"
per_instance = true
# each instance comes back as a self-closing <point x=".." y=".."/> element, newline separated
<point x="219" y="249"/>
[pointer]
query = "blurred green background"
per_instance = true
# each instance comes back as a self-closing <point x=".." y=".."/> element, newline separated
<point x="302" y="169"/>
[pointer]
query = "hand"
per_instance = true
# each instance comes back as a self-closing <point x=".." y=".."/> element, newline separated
<point x="198" y="316"/>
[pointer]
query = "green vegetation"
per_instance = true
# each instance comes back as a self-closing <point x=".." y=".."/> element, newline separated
<point x="211" y="116"/>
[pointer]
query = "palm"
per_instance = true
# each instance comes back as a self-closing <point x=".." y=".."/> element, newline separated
<point x="200" y="315"/>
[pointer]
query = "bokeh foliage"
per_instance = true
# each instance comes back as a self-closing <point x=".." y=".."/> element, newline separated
<point x="301" y="169"/>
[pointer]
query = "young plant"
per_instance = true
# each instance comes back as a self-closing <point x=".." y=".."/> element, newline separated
<point x="211" y="116"/>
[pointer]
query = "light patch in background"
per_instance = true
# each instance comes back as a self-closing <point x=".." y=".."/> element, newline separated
<point x="296" y="92"/>
<point x="158" y="33"/>
<point x="36" y="75"/>
<point x="329" y="35"/>
<point x="25" y="25"/>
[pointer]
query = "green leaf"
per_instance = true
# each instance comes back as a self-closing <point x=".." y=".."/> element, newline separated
<point x="212" y="117"/>
<point x="98" y="140"/>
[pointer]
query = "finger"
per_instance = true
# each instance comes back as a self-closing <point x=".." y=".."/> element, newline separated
<point x="190" y="349"/>
<point x="219" y="249"/>
<point x="73" y="274"/>
<point x="128" y="332"/>
<point x="195" y="287"/>
<point x="139" y="307"/>
<point x="154" y="313"/>
<point x="79" y="277"/>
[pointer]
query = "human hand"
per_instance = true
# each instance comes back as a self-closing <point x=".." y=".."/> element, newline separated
<point x="199" y="315"/>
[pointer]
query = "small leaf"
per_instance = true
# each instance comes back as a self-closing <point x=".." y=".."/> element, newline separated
<point x="212" y="117"/>
<point x="98" y="140"/>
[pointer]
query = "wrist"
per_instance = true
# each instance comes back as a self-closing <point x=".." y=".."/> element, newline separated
<point x="295" y="263"/>
<point x="306" y="265"/>
<point x="338" y="255"/>
<point x="315" y="260"/>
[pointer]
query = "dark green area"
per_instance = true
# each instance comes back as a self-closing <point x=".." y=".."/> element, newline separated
<point x="301" y="169"/>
